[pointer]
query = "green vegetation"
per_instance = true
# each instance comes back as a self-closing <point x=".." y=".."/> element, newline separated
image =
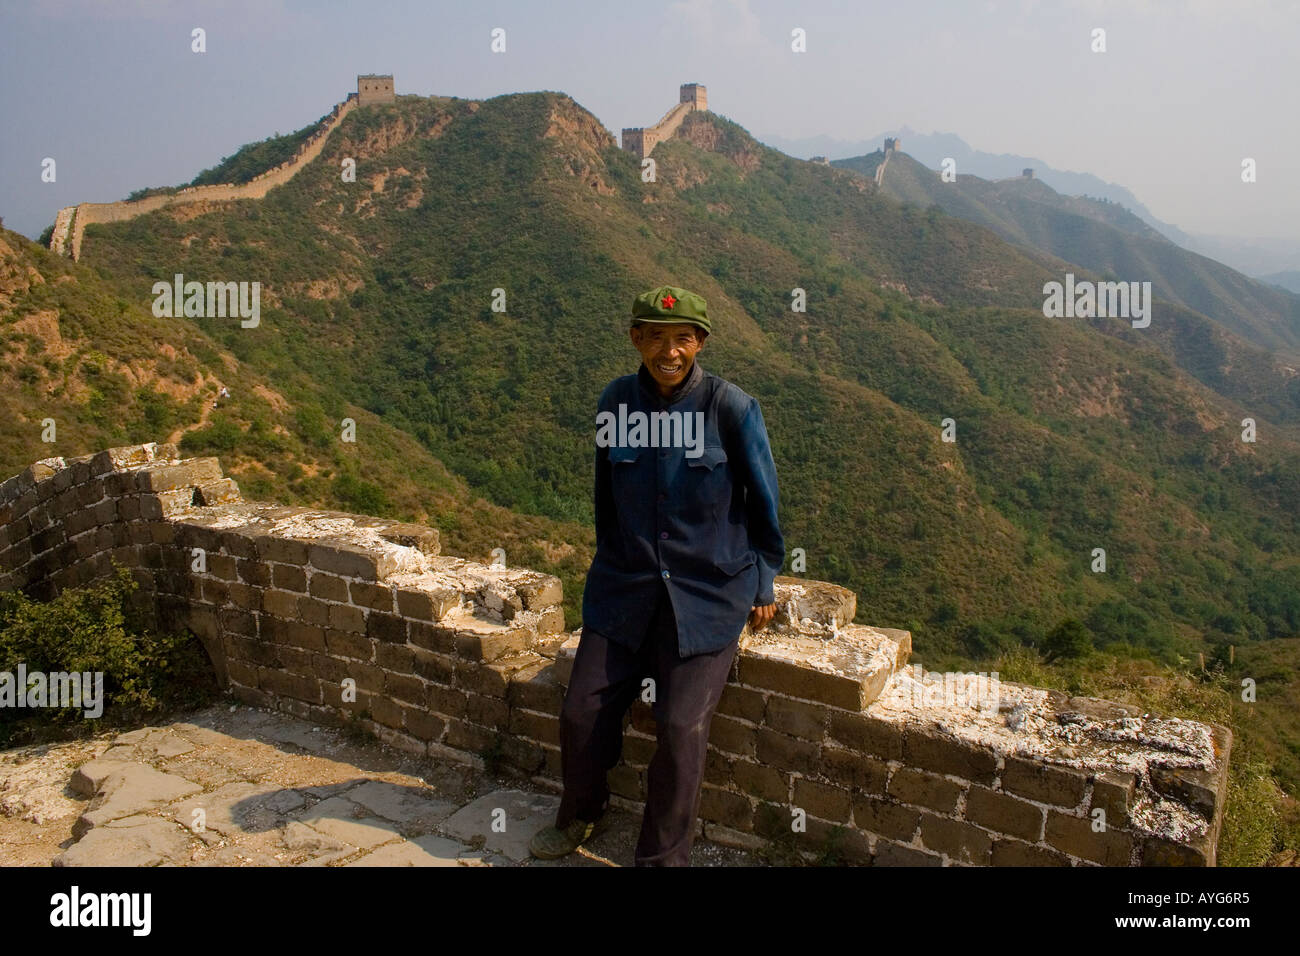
<point x="97" y="629"/>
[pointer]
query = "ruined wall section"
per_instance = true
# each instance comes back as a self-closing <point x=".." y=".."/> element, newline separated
<point x="821" y="720"/>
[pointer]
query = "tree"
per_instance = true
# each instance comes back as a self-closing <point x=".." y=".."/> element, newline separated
<point x="1068" y="639"/>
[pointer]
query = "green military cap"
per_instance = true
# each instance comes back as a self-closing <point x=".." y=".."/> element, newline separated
<point x="668" y="304"/>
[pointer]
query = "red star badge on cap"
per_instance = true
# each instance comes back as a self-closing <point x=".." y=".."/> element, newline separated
<point x="668" y="301"/>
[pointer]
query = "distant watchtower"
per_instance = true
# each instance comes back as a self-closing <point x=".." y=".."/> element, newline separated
<point x="695" y="94"/>
<point x="892" y="144"/>
<point x="375" y="88"/>
<point x="1028" y="172"/>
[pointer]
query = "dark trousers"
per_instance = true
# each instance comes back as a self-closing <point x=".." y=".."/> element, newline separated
<point x="607" y="678"/>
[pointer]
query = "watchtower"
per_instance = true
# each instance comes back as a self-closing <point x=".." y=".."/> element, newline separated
<point x="695" y="94"/>
<point x="375" y="88"/>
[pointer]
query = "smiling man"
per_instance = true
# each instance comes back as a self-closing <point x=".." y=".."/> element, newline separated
<point x="687" y="547"/>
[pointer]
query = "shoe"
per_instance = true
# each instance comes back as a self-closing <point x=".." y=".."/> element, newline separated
<point x="551" y="843"/>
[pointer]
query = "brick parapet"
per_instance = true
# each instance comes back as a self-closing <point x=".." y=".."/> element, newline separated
<point x="823" y="735"/>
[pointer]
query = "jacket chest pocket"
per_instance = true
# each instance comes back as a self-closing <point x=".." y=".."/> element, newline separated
<point x="627" y="472"/>
<point x="708" y="479"/>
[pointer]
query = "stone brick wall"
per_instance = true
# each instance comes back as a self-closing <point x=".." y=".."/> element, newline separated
<point x="69" y="229"/>
<point x="643" y="140"/>
<point x="824" y="736"/>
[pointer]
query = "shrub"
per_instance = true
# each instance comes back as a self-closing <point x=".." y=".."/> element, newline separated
<point x="96" y="629"/>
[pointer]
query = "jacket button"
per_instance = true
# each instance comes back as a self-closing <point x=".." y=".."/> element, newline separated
<point x="663" y="534"/>
<point x="665" y="574"/>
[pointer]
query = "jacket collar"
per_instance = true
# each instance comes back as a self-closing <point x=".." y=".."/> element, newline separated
<point x="651" y="387"/>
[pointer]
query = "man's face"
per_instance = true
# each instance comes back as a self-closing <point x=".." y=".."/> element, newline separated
<point x="668" y="351"/>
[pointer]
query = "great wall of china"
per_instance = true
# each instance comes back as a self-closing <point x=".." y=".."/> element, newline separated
<point x="71" y="221"/>
<point x="451" y="659"/>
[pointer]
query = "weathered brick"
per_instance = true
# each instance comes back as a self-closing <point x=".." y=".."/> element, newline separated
<point x="346" y="560"/>
<point x="431" y="666"/>
<point x="349" y="644"/>
<point x="717" y="767"/>
<point x="761" y="781"/>
<point x="491" y="680"/>
<point x="742" y="702"/>
<point x="854" y="770"/>
<point x="886" y="819"/>
<point x="931" y="749"/>
<point x="889" y="853"/>
<point x="526" y="755"/>
<point x="797" y="718"/>
<point x="536" y="688"/>
<point x="489" y="643"/>
<point x="313" y="611"/>
<point x="411" y="690"/>
<point x="423" y="725"/>
<point x="289" y="685"/>
<point x="446" y="701"/>
<point x="833" y="841"/>
<point x="327" y="587"/>
<point x="1195" y="788"/>
<point x="806" y="683"/>
<point x="1113" y="793"/>
<point x="386" y="627"/>
<point x="387" y="712"/>
<point x="282" y="604"/>
<point x="282" y="550"/>
<point x="253" y="572"/>
<point x="487" y="711"/>
<point x="466" y="736"/>
<point x="1160" y="852"/>
<point x="539" y="727"/>
<point x="242" y="673"/>
<point x="288" y="577"/>
<point x="733" y="736"/>
<point x="432" y="637"/>
<point x="1062" y="786"/>
<point x="923" y="789"/>
<point x="1004" y="813"/>
<point x="426" y="605"/>
<point x="397" y="658"/>
<point x="1008" y="852"/>
<point x="867" y="735"/>
<point x="378" y="597"/>
<point x="820" y="800"/>
<point x="344" y="617"/>
<point x="1074" y="835"/>
<point x="725" y="807"/>
<point x="962" y="842"/>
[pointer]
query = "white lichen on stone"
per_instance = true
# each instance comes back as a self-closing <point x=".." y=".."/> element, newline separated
<point x="1025" y="723"/>
<point x="315" y="525"/>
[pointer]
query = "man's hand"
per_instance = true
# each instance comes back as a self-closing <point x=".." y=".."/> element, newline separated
<point x="760" y="615"/>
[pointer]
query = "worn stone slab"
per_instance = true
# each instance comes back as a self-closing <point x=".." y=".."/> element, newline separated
<point x="346" y="822"/>
<point x="524" y="814"/>
<point x="224" y="809"/>
<point x="139" y="840"/>
<point x="409" y="808"/>
<point x="319" y="848"/>
<point x="130" y="789"/>
<point x="429" y="850"/>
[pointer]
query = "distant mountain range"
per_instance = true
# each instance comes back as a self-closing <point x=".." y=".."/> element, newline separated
<point x="1254" y="257"/>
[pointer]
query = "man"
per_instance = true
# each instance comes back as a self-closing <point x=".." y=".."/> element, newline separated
<point x="687" y="547"/>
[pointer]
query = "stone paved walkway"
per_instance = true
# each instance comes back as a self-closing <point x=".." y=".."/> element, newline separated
<point x="237" y="786"/>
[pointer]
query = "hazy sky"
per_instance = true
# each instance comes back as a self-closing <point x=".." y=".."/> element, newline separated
<point x="111" y="90"/>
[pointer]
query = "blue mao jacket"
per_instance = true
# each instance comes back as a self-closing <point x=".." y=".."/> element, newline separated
<point x="697" y="516"/>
